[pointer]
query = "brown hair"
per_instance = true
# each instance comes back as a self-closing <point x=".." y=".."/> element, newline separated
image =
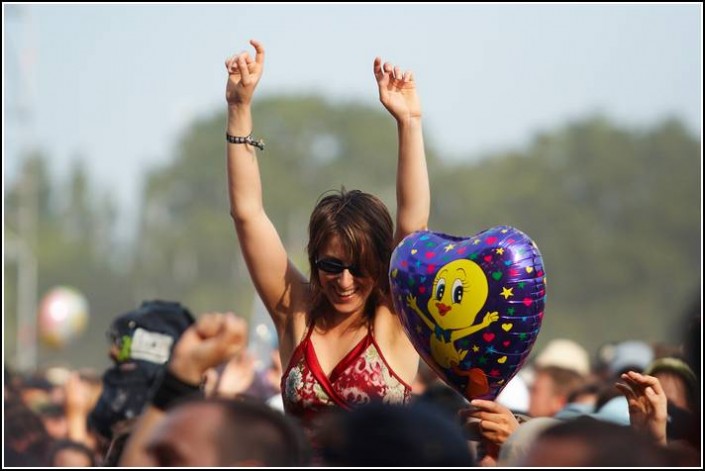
<point x="365" y="228"/>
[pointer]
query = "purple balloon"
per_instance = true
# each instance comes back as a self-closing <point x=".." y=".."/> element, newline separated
<point x="472" y="306"/>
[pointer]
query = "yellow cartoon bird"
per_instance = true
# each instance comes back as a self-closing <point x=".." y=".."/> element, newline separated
<point x="459" y="291"/>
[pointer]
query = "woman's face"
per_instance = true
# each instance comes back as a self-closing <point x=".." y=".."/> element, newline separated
<point x="347" y="292"/>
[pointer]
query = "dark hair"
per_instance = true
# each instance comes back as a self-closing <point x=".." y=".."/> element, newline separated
<point x="380" y="435"/>
<point x="606" y="444"/>
<point x="587" y="389"/>
<point x="251" y="430"/>
<point x="365" y="228"/>
<point x="61" y="445"/>
<point x="564" y="381"/>
<point x="26" y="441"/>
<point x="445" y="398"/>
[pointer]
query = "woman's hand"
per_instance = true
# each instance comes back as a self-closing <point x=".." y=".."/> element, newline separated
<point x="397" y="91"/>
<point x="244" y="73"/>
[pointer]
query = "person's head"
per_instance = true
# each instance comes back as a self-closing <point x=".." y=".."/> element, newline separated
<point x="515" y="449"/>
<point x="35" y="391"/>
<point x="629" y="355"/>
<point x="564" y="353"/>
<point x="225" y="432"/>
<point x="586" y="394"/>
<point x="586" y="442"/>
<point x="142" y="341"/>
<point x="70" y="454"/>
<point x="382" y="435"/>
<point x="26" y="441"/>
<point x="550" y="390"/>
<point x="350" y="243"/>
<point x="445" y="398"/>
<point x="54" y="418"/>
<point x="677" y="380"/>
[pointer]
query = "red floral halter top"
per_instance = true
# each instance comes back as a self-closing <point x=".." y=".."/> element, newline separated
<point x="362" y="376"/>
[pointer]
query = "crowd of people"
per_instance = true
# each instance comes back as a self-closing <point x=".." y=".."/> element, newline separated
<point x="630" y="404"/>
<point x="345" y="386"/>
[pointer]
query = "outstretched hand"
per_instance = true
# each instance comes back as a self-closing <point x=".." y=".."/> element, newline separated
<point x="397" y="91"/>
<point x="212" y="340"/>
<point x="647" y="404"/>
<point x="244" y="73"/>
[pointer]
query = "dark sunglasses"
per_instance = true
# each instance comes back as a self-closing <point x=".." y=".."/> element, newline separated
<point x="335" y="267"/>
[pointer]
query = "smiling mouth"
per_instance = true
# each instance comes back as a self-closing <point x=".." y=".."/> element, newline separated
<point x="345" y="293"/>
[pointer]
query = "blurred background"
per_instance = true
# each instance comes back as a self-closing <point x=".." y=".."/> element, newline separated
<point x="578" y="124"/>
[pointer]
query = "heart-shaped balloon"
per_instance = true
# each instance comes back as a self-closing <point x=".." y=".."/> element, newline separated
<point x="472" y="306"/>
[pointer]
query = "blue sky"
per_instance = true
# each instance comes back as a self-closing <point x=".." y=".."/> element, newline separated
<point x="116" y="85"/>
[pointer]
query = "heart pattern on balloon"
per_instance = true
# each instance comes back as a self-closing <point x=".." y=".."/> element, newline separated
<point x="472" y="306"/>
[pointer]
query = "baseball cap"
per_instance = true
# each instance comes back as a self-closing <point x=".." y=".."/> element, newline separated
<point x="566" y="354"/>
<point x="676" y="366"/>
<point x="633" y="355"/>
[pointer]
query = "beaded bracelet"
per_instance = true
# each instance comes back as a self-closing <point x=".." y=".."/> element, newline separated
<point x="245" y="140"/>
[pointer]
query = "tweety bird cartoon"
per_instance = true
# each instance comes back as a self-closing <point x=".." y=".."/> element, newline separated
<point x="459" y="292"/>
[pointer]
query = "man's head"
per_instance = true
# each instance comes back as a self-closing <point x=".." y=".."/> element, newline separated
<point x="222" y="432"/>
<point x="380" y="435"/>
<point x="550" y="390"/>
<point x="586" y="442"/>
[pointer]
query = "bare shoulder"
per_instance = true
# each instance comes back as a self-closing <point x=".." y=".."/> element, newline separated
<point x="395" y="344"/>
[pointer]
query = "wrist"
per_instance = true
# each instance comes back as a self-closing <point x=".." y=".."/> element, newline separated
<point x="239" y="109"/>
<point x="183" y="371"/>
<point x="409" y="121"/>
<point x="239" y="121"/>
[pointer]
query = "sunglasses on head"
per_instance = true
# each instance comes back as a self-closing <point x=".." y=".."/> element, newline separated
<point x="335" y="267"/>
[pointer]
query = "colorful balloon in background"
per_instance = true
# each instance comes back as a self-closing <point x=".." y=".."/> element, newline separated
<point x="471" y="306"/>
<point x="63" y="316"/>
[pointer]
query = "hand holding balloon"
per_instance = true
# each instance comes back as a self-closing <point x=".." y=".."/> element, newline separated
<point x="493" y="421"/>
